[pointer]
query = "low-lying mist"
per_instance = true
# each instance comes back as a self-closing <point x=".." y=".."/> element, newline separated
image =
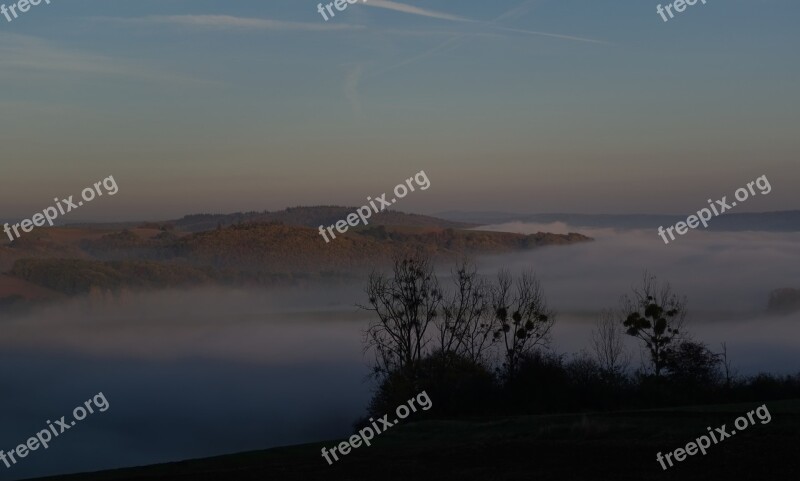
<point x="725" y="276"/>
<point x="193" y="373"/>
<point x="187" y="374"/>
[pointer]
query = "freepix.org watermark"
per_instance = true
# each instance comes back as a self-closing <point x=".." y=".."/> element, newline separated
<point x="678" y="5"/>
<point x="23" y="6"/>
<point x="340" y="5"/>
<point x="365" y="435"/>
<point x="365" y="212"/>
<point x="62" y="207"/>
<point x="718" y="207"/>
<point x="718" y="434"/>
<point x="43" y="437"/>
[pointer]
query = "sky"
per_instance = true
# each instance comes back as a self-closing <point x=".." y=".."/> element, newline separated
<point x="514" y="105"/>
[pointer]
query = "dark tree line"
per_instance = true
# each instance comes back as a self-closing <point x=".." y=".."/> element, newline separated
<point x="474" y="319"/>
<point x="481" y="346"/>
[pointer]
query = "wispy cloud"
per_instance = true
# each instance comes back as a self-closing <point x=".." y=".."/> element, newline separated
<point x="410" y="9"/>
<point x="453" y="42"/>
<point x="517" y="11"/>
<point x="548" y="34"/>
<point x="520" y="10"/>
<point x="236" y="23"/>
<point x="24" y="55"/>
<point x="446" y="45"/>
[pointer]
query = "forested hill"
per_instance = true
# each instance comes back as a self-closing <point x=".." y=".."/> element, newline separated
<point x="312" y="216"/>
<point x="74" y="261"/>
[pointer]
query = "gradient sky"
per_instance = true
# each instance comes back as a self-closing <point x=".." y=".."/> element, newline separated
<point x="525" y="106"/>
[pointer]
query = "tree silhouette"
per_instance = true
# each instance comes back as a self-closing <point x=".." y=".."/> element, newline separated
<point x="405" y="305"/>
<point x="655" y="315"/>
<point x="464" y="327"/>
<point x="608" y="346"/>
<point x="693" y="364"/>
<point x="521" y="320"/>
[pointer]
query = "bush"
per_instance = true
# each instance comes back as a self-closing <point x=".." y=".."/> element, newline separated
<point x="457" y="386"/>
<point x="693" y="365"/>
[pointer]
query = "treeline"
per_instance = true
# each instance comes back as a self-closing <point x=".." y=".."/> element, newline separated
<point x="247" y="253"/>
<point x="276" y="244"/>
<point x="311" y="216"/>
<point x="457" y="240"/>
<point x="481" y="347"/>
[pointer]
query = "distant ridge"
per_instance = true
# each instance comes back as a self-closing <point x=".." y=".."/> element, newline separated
<point x="311" y="216"/>
<point x="305" y="216"/>
<point x="74" y="261"/>
<point x="779" y="221"/>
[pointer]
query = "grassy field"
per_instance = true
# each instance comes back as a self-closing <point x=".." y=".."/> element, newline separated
<point x="605" y="446"/>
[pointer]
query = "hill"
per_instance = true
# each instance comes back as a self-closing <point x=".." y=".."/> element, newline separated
<point x="586" y="447"/>
<point x="73" y="261"/>
<point x="312" y="216"/>
<point x="308" y="216"/>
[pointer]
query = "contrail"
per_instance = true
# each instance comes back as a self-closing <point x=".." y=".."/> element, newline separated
<point x="453" y="40"/>
<point x="410" y="9"/>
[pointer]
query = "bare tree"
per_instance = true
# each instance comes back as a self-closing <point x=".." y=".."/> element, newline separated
<point x="463" y="327"/>
<point x="727" y="366"/>
<point x="608" y="345"/>
<point x="655" y="315"/>
<point x="415" y="318"/>
<point x="521" y="318"/>
<point x="405" y="305"/>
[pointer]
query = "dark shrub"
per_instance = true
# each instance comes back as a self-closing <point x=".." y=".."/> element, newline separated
<point x="456" y="386"/>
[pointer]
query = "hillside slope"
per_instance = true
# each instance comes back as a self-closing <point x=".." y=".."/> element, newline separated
<point x="587" y="447"/>
<point x="261" y="253"/>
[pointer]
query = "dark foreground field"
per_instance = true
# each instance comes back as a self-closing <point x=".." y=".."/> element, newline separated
<point x="609" y="446"/>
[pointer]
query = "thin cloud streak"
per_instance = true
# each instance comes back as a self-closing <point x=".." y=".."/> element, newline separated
<point x="236" y="23"/>
<point x="410" y="9"/>
<point x="523" y="8"/>
<point x="452" y="42"/>
<point x="548" y="34"/>
<point x="24" y="55"/>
